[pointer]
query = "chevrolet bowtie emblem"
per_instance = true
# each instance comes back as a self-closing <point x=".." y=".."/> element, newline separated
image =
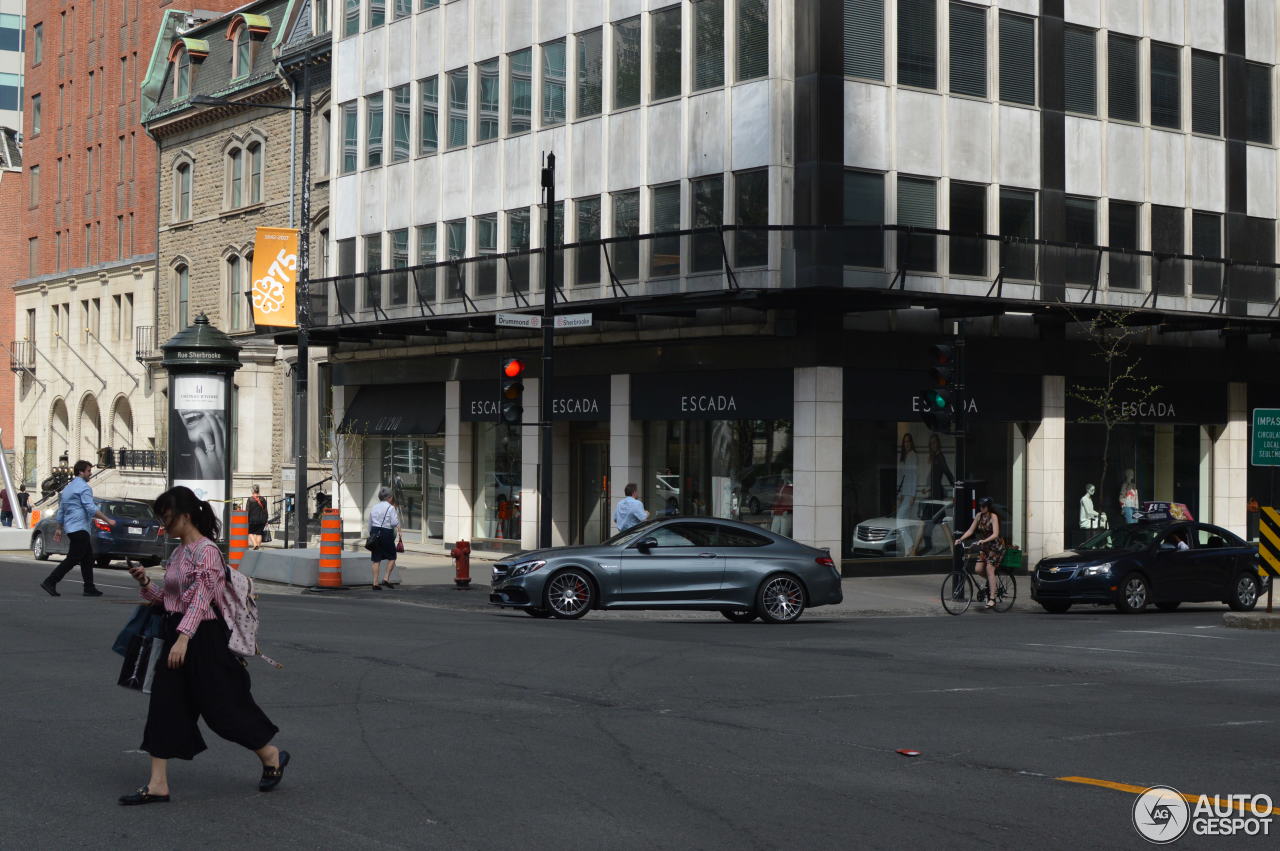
<point x="1054" y="569"/>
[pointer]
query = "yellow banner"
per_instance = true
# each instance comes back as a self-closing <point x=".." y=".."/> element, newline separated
<point x="275" y="277"/>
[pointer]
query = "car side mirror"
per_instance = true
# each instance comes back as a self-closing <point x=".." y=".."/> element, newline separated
<point x="646" y="545"/>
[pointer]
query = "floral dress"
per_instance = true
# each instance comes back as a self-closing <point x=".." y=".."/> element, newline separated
<point x="992" y="551"/>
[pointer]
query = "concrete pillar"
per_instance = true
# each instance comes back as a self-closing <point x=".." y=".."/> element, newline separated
<point x="817" y="456"/>
<point x="1231" y="463"/>
<point x="1046" y="459"/>
<point x="626" y="447"/>
<point x="458" y="478"/>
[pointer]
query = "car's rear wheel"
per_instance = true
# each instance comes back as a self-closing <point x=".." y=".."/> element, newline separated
<point x="1244" y="594"/>
<point x="37" y="547"/>
<point x="1055" y="607"/>
<point x="1168" y="605"/>
<point x="739" y="615"/>
<point x="102" y="562"/>
<point x="538" y="613"/>
<point x="1134" y="594"/>
<point x="569" y="594"/>
<point x="781" y="599"/>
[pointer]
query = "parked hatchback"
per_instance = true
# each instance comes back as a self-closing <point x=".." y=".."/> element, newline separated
<point x="137" y="534"/>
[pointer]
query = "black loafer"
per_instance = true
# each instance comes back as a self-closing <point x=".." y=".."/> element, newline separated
<point x="142" y="796"/>
<point x="271" y="777"/>
<point x="48" y="586"/>
<point x="92" y="592"/>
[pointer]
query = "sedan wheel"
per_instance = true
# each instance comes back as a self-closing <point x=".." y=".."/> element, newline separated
<point x="1244" y="596"/>
<point x="1133" y="594"/>
<point x="739" y="615"/>
<point x="569" y="595"/>
<point x="780" y="599"/>
<point x="102" y="562"/>
<point x="37" y="547"/>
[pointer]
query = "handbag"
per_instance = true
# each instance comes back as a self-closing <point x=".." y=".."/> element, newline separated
<point x="147" y="621"/>
<point x="399" y="544"/>
<point x="266" y="536"/>
<point x="138" y="670"/>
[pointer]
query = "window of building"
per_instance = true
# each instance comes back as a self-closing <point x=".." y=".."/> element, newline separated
<point x="428" y="4"/>
<point x="918" y="43"/>
<point x="37" y="44"/>
<point x="554" y="77"/>
<point x="12" y="29"/>
<point x="625" y="255"/>
<point x="1080" y="70"/>
<point x="124" y="78"/>
<point x="182" y="193"/>
<point x="1122" y="77"/>
<point x="1206" y="242"/>
<point x="455" y="246"/>
<point x="708" y="44"/>
<point x="235" y="174"/>
<point x="520" y="88"/>
<point x="372" y="270"/>
<point x="968" y="43"/>
<point x="626" y="63"/>
<point x="1017" y="219"/>
<point x="864" y="38"/>
<point x="377" y="13"/>
<point x="917" y="208"/>
<point x="401" y="9"/>
<point x="240" y="58"/>
<point x="33" y="256"/>
<point x="496" y="512"/>
<point x="968" y="221"/>
<point x="457" y="108"/>
<point x="373" y="130"/>
<point x="253" y="153"/>
<point x="428" y="115"/>
<point x="665" y="57"/>
<point x="320" y="16"/>
<point x="427" y="254"/>
<point x="119" y="237"/>
<point x="1168" y="271"/>
<point x="489" y="101"/>
<point x="325" y="132"/>
<point x="587" y="260"/>
<point x="590" y="73"/>
<point x="350" y="138"/>
<point x="90" y="92"/>
<point x="1258" y="106"/>
<point x="1017" y="58"/>
<point x="518" y="235"/>
<point x="486" y="246"/>
<point x="707" y="197"/>
<point x="753" y="39"/>
<point x="750" y="211"/>
<point x="1257" y="283"/>
<point x="182" y="76"/>
<point x="399" y="289"/>
<point x="182" y="294"/>
<point x="350" y="17"/>
<point x="1206" y="93"/>
<point x="864" y="214"/>
<point x="401" y="123"/>
<point x="1166" y="98"/>
<point x="37" y="114"/>
<point x="1080" y="226"/>
<point x="33" y="186"/>
<point x="1122" y="233"/>
<point x="665" y="214"/>
<point x="235" y="293"/>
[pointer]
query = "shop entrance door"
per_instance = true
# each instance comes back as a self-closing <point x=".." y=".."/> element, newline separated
<point x="589" y="491"/>
<point x="435" y="488"/>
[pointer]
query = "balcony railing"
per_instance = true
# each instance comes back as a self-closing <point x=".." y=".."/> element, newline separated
<point x="22" y="356"/>
<point x="144" y="343"/>
<point x="133" y="459"/>
<point x="759" y="259"/>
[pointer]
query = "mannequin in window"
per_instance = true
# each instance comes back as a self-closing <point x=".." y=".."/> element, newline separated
<point x="1091" y="519"/>
<point x="1129" y="497"/>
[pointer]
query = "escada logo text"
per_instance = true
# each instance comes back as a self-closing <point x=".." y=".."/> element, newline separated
<point x="583" y="405"/>
<point x="1147" y="409"/>
<point x="691" y="404"/>
<point x="485" y="407"/>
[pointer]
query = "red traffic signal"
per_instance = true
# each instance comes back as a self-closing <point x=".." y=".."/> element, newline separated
<point x="513" y="368"/>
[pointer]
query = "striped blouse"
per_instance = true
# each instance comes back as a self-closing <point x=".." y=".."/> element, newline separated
<point x="190" y="585"/>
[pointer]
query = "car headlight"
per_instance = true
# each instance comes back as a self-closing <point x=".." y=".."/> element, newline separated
<point x="1098" y="570"/>
<point x="526" y="567"/>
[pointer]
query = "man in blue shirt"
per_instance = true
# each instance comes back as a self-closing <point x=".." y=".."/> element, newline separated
<point x="631" y="510"/>
<point x="76" y="513"/>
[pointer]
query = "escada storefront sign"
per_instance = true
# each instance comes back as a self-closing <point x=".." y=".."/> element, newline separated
<point x="1189" y="402"/>
<point x="896" y="395"/>
<point x="576" y="398"/>
<point x="766" y="394"/>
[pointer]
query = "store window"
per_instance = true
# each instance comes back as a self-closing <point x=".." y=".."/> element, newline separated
<point x="400" y="467"/>
<point x="496" y="507"/>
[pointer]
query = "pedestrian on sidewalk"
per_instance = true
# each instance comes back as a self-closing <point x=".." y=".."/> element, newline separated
<point x="384" y="526"/>
<point x="6" y="508"/>
<point x="24" y="503"/>
<point x="76" y="513"/>
<point x="257" y="508"/>
<point x="630" y="510"/>
<point x="197" y="675"/>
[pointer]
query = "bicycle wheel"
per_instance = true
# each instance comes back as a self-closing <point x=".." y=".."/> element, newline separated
<point x="957" y="594"/>
<point x="1006" y="590"/>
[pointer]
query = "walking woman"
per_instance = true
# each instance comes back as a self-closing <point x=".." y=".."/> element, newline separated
<point x="197" y="675"/>
<point x="384" y="526"/>
<point x="257" y="518"/>
<point x="986" y="524"/>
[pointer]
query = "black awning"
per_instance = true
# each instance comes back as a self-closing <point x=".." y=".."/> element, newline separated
<point x="396" y="409"/>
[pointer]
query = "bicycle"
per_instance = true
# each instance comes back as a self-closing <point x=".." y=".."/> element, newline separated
<point x="962" y="587"/>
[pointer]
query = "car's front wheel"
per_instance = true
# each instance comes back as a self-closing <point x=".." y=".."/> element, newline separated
<point x="781" y="599"/>
<point x="739" y="615"/>
<point x="1134" y="594"/>
<point x="569" y="594"/>
<point x="37" y="547"/>
<point x="1244" y="594"/>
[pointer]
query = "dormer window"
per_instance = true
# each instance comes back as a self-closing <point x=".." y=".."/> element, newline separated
<point x="240" y="63"/>
<point x="185" y="56"/>
<point x="182" y="77"/>
<point x="245" y="32"/>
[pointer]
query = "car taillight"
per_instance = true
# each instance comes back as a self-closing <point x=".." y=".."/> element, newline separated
<point x="101" y="525"/>
<point x="826" y="561"/>
<point x="160" y="532"/>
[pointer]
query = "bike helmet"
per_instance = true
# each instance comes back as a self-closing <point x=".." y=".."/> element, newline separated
<point x="984" y="502"/>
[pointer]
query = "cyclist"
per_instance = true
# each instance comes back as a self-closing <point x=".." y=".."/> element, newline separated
<point x="986" y="525"/>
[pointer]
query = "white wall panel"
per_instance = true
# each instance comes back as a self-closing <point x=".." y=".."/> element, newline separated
<point x="553" y="19"/>
<point x="1164" y="20"/>
<point x="428" y="30"/>
<point x="619" y="9"/>
<point x="371" y="200"/>
<point x="1260" y="31"/>
<point x="1168" y="163"/>
<point x="455" y="186"/>
<point x="917" y="130"/>
<point x="426" y="194"/>
<point x="969" y="140"/>
<point x="706" y="134"/>
<point x="1084" y="156"/>
<point x="663" y="153"/>
<point x="1124" y="16"/>
<point x="1086" y="13"/>
<point x="519" y="29"/>
<point x="486" y="185"/>
<point x="586" y="167"/>
<point x="753" y="125"/>
<point x="626" y="151"/>
<point x="866" y="126"/>
<point x="1204" y="25"/>
<point x="346" y="55"/>
<point x="520" y="164"/>
<point x="1262" y="182"/>
<point x="399" y="52"/>
<point x="1126" y="169"/>
<point x="486" y="29"/>
<point x="587" y="14"/>
<point x="342" y="217"/>
<point x="1025" y="7"/>
<point x="1018" y="153"/>
<point x="373" y="52"/>
<point x="399" y="186"/>
<point x="1207" y="179"/>
<point x="457" y="34"/>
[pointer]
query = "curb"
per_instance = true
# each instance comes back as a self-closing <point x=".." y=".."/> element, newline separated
<point x="1251" y="620"/>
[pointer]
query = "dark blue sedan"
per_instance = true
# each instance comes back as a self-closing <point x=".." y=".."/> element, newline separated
<point x="1165" y="564"/>
<point x="137" y="534"/>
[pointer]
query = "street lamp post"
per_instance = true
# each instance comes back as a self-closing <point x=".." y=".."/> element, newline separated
<point x="303" y="299"/>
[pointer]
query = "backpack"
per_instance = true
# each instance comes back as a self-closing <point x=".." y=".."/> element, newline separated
<point x="238" y="608"/>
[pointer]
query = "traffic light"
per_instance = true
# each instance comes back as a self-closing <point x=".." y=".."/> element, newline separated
<point x="939" y="410"/>
<point x="510" y="404"/>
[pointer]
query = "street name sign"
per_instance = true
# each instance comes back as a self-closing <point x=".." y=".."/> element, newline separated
<point x="577" y="320"/>
<point x="1265" y="451"/>
<point x="567" y="320"/>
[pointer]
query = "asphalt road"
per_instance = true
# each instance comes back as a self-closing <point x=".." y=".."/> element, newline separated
<point x="415" y="725"/>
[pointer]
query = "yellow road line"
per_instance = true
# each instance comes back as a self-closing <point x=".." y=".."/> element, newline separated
<point x="1138" y="790"/>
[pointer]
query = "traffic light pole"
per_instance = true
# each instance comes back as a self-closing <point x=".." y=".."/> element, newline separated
<point x="962" y="414"/>
<point x="548" y="343"/>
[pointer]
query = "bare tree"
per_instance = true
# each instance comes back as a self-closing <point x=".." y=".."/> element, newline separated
<point x="348" y="444"/>
<point x="1124" y="387"/>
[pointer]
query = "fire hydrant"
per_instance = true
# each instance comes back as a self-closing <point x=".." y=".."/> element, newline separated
<point x="461" y="553"/>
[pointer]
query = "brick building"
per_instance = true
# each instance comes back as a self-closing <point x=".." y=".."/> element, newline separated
<point x="225" y="170"/>
<point x="85" y="280"/>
